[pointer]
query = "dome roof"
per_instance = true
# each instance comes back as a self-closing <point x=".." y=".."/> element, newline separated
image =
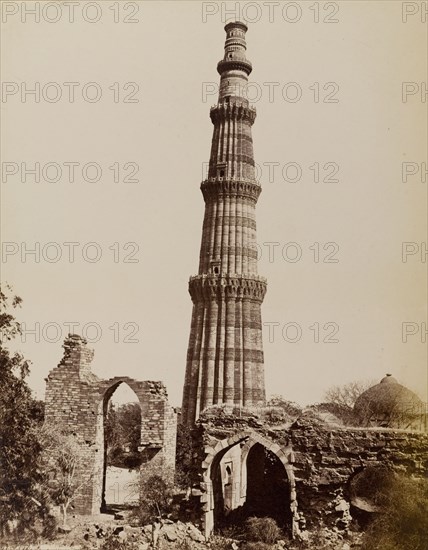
<point x="387" y="400"/>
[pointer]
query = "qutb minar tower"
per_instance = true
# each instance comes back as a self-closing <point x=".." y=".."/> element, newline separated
<point x="225" y="353"/>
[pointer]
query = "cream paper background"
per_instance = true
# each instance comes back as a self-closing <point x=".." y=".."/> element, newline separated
<point x="172" y="54"/>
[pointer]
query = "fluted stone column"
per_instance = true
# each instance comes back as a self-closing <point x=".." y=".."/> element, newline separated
<point x="225" y="354"/>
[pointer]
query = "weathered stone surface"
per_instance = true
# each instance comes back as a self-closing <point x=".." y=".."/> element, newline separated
<point x="170" y="532"/>
<point x="321" y="472"/>
<point x="225" y="352"/>
<point x="76" y="401"/>
<point x="195" y="534"/>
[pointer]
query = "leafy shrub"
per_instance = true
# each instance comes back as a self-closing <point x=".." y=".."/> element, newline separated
<point x="403" y="521"/>
<point x="23" y="502"/>
<point x="262" y="530"/>
<point x="156" y="490"/>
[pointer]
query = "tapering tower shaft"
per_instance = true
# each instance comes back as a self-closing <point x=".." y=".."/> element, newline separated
<point x="225" y="353"/>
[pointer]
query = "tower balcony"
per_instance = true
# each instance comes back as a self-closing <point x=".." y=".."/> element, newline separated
<point x="217" y="187"/>
<point x="233" y="108"/>
<point x="209" y="286"/>
<point x="234" y="65"/>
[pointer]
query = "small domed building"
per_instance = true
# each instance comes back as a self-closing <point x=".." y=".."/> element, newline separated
<point x="391" y="405"/>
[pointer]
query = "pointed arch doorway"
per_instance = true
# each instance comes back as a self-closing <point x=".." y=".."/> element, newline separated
<point x="121" y="434"/>
<point x="248" y="475"/>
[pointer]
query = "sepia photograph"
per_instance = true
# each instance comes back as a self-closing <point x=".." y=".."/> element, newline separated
<point x="214" y="283"/>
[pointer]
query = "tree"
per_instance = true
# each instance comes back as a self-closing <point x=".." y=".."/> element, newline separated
<point x="183" y="457"/>
<point x="340" y="401"/>
<point x="347" y="394"/>
<point x="62" y="457"/>
<point x="123" y="434"/>
<point x="21" y="490"/>
<point x="156" y="487"/>
<point x="129" y="417"/>
<point x="111" y="433"/>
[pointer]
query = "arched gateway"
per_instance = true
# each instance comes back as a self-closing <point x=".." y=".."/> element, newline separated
<point x="234" y="471"/>
<point x="76" y="402"/>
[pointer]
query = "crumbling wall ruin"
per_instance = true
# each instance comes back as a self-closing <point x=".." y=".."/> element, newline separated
<point x="319" y="459"/>
<point x="76" y="403"/>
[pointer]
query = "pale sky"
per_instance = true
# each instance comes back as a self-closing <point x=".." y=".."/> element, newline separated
<point x="171" y="53"/>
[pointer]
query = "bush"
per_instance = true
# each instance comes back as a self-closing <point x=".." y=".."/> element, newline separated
<point x="256" y="546"/>
<point x="403" y="521"/>
<point x="156" y="490"/>
<point x="373" y="484"/>
<point x="23" y="502"/>
<point x="112" y="542"/>
<point x="262" y="530"/>
<point x="220" y="543"/>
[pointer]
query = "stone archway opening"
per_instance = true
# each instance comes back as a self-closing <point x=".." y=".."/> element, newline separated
<point x="247" y="479"/>
<point x="268" y="488"/>
<point x="121" y="433"/>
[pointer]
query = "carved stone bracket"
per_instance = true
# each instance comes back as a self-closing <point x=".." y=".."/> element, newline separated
<point x="233" y="110"/>
<point x="213" y="287"/>
<point x="215" y="188"/>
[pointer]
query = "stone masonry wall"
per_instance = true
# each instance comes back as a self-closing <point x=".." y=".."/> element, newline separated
<point x="76" y="403"/>
<point x="320" y="459"/>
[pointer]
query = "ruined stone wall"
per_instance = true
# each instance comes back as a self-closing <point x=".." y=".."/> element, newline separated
<point x="320" y="459"/>
<point x="326" y="459"/>
<point x="76" y="402"/>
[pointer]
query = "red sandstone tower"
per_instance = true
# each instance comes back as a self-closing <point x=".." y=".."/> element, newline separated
<point x="225" y="354"/>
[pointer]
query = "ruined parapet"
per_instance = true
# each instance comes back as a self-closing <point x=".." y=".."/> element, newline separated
<point x="71" y="397"/>
<point x="76" y="403"/>
<point x="327" y="458"/>
<point x="78" y="356"/>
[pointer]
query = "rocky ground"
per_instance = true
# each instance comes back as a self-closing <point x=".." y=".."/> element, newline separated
<point x="104" y="532"/>
<point x="121" y="530"/>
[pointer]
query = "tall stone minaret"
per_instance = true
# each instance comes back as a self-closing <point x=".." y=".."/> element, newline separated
<point x="225" y="355"/>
